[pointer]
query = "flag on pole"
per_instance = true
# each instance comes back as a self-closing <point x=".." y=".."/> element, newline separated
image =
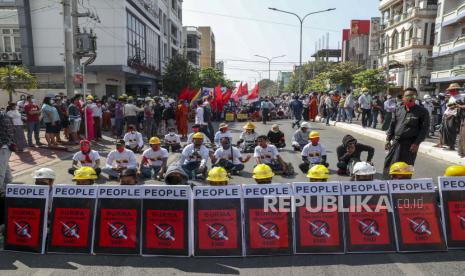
<point x="226" y="96"/>
<point x="255" y="92"/>
<point x="244" y="90"/>
<point x="184" y="94"/>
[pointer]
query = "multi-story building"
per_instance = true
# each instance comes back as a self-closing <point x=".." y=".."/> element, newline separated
<point x="374" y="46"/>
<point x="407" y="38"/>
<point x="449" y="45"/>
<point x="191" y="44"/>
<point x="207" y="47"/>
<point x="355" y="42"/>
<point x="220" y="66"/>
<point x="10" y="40"/>
<point x="134" y="41"/>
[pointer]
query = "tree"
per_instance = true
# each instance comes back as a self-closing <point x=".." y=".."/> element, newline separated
<point x="342" y="74"/>
<point x="211" y="77"/>
<point x="14" y="77"/>
<point x="178" y="75"/>
<point x="373" y="79"/>
<point x="309" y="71"/>
<point x="268" y="87"/>
<point x="318" y="84"/>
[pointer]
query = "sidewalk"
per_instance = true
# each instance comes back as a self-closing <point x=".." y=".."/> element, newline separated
<point x="425" y="147"/>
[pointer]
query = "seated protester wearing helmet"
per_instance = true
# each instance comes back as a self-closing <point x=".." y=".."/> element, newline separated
<point x="349" y="153"/>
<point x="313" y="153"/>
<point x="85" y="176"/>
<point x="172" y="141"/>
<point x="196" y="129"/>
<point x="248" y="138"/>
<point x="119" y="160"/>
<point x="44" y="176"/>
<point x="128" y="177"/>
<point x="194" y="158"/>
<point x="154" y="160"/>
<point x="269" y="155"/>
<point x="318" y="173"/>
<point x="263" y="174"/>
<point x="401" y="170"/>
<point x="218" y="177"/>
<point x="229" y="157"/>
<point x="276" y="137"/>
<point x="455" y="171"/>
<point x="222" y="132"/>
<point x="363" y="171"/>
<point x="86" y="157"/>
<point x="300" y="138"/>
<point x="133" y="139"/>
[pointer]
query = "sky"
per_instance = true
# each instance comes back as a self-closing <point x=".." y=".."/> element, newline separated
<point x="244" y="28"/>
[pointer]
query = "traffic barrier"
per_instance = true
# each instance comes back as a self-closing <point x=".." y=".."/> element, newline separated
<point x="317" y="229"/>
<point x="72" y="219"/>
<point x="416" y="215"/>
<point x="368" y="230"/>
<point x="267" y="232"/>
<point x="166" y="220"/>
<point x="452" y="193"/>
<point x="218" y="221"/>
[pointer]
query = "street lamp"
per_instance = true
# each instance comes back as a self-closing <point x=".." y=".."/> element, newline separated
<point x="301" y="19"/>
<point x="269" y="63"/>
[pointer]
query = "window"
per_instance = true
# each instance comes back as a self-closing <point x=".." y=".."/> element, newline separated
<point x="410" y="36"/>
<point x="17" y="42"/>
<point x="432" y="34"/>
<point x="395" y="40"/>
<point x="7" y="43"/>
<point x="425" y="34"/>
<point x="6" y="31"/>
<point x="136" y="39"/>
<point x="402" y="39"/>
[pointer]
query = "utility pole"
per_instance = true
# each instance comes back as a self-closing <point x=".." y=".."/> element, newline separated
<point x="69" y="41"/>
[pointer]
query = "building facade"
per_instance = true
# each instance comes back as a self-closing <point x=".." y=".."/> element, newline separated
<point x="449" y="46"/>
<point x="407" y="38"/>
<point x="191" y="44"/>
<point x="207" y="47"/>
<point x="355" y="43"/>
<point x="135" y="39"/>
<point x="10" y="39"/>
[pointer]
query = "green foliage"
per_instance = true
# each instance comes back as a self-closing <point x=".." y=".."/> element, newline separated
<point x="318" y="84"/>
<point x="179" y="74"/>
<point x="268" y="87"/>
<point x="14" y="77"/>
<point x="342" y="74"/>
<point x="211" y="77"/>
<point x="373" y="79"/>
<point x="308" y="69"/>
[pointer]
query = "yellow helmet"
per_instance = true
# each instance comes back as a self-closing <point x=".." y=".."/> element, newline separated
<point x="249" y="125"/>
<point x="154" y="141"/>
<point x="262" y="171"/>
<point x="217" y="174"/>
<point x="130" y="98"/>
<point x="455" y="171"/>
<point x="401" y="168"/>
<point x="85" y="173"/>
<point x="314" y="134"/>
<point x="197" y="135"/>
<point x="318" y="172"/>
<point x="90" y="98"/>
<point x="364" y="89"/>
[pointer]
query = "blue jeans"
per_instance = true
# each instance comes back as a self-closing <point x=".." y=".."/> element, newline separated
<point x="150" y="171"/>
<point x="366" y="117"/>
<point x="374" y="118"/>
<point x="119" y="123"/>
<point x="33" y="127"/>
<point x="341" y="115"/>
<point x="191" y="168"/>
<point x="349" y="113"/>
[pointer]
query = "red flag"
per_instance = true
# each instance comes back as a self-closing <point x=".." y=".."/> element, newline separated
<point x="192" y="94"/>
<point x="244" y="90"/>
<point x="227" y="96"/>
<point x="219" y="97"/>
<point x="237" y="92"/>
<point x="184" y="94"/>
<point x="254" y="93"/>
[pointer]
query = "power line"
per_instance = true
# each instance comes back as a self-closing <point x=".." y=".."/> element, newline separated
<point x="258" y="61"/>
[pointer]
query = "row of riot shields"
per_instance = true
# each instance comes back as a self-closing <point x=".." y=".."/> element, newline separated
<point x="238" y="220"/>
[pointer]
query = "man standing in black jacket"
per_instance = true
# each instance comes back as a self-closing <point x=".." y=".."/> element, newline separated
<point x="409" y="127"/>
<point x="6" y="147"/>
<point x="349" y="153"/>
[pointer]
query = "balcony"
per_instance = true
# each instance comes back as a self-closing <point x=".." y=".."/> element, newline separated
<point x="454" y="74"/>
<point x="449" y="47"/>
<point x="454" y="16"/>
<point x="410" y="14"/>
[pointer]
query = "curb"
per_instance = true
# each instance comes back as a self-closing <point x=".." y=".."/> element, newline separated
<point x="425" y="147"/>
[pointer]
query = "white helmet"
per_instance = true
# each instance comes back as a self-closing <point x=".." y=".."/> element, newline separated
<point x="364" y="168"/>
<point x="44" y="173"/>
<point x="427" y="97"/>
<point x="305" y="124"/>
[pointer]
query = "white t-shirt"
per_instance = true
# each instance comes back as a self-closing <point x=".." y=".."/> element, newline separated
<point x="199" y="116"/>
<point x="221" y="153"/>
<point x="205" y="138"/>
<point x="133" y="139"/>
<point x="190" y="154"/>
<point x="80" y="158"/>
<point x="172" y="138"/>
<point x="249" y="138"/>
<point x="125" y="159"/>
<point x="314" y="153"/>
<point x="15" y="117"/>
<point x="266" y="154"/>
<point x="154" y="158"/>
<point x="219" y="135"/>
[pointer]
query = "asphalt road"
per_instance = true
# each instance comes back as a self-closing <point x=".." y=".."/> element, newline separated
<point x="449" y="263"/>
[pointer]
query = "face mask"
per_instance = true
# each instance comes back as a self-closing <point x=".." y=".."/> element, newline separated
<point x="315" y="141"/>
<point x="85" y="148"/>
<point x="172" y="133"/>
<point x="409" y="102"/>
<point x="120" y="149"/>
<point x="224" y="129"/>
<point x="453" y="92"/>
<point x="195" y="130"/>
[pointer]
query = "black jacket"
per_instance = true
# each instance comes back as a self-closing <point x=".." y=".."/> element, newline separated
<point x="410" y="125"/>
<point x="343" y="156"/>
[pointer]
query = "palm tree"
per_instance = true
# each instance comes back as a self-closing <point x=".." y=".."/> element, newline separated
<point x="14" y="77"/>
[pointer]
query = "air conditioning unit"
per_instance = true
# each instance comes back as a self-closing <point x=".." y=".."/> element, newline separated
<point x="424" y="81"/>
<point x="4" y="56"/>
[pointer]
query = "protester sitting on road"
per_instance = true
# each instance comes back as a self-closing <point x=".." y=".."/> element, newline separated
<point x="196" y="129"/>
<point x="300" y="138"/>
<point x="172" y="141"/>
<point x="263" y="174"/>
<point x="154" y="160"/>
<point x="455" y="171"/>
<point x="118" y="160"/>
<point x="175" y="175"/>
<point x="218" y="177"/>
<point x="313" y="153"/>
<point x="318" y="173"/>
<point x="44" y="176"/>
<point x="229" y="157"/>
<point x="269" y="155"/>
<point x="363" y="171"/>
<point x="86" y="157"/>
<point x="128" y="177"/>
<point x="349" y="153"/>
<point x="194" y="158"/>
<point x="133" y="139"/>
<point x="401" y="170"/>
<point x="222" y="132"/>
<point x="85" y="176"/>
<point x="248" y="138"/>
<point x="276" y="137"/>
